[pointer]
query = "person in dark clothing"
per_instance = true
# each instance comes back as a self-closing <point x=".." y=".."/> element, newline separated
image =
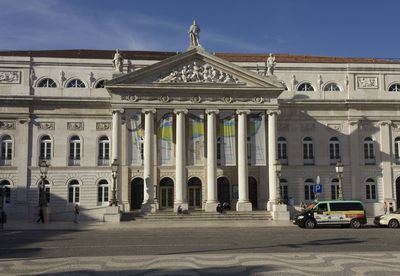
<point x="41" y="215"/>
<point x="219" y="208"/>
<point x="391" y="209"/>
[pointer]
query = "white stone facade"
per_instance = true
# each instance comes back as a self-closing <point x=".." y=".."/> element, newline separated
<point x="200" y="128"/>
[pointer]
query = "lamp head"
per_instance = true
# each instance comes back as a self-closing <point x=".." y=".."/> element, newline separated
<point x="339" y="167"/>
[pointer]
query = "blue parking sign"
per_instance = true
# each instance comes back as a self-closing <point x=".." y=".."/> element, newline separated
<point x="317" y="188"/>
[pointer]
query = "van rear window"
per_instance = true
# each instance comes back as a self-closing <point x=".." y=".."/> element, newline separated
<point x="346" y="206"/>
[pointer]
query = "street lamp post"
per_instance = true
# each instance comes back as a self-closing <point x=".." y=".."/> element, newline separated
<point x="339" y="171"/>
<point x="278" y="169"/>
<point x="114" y="171"/>
<point x="44" y="168"/>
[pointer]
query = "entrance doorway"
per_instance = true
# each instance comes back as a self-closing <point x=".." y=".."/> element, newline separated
<point x="137" y="190"/>
<point x="398" y="192"/>
<point x="223" y="190"/>
<point x="253" y="191"/>
<point x="194" y="190"/>
<point x="167" y="193"/>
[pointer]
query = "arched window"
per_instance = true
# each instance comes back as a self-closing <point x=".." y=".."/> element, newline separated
<point x="282" y="150"/>
<point x="334" y="150"/>
<point x="73" y="191"/>
<point x="369" y="154"/>
<point x="47" y="83"/>
<point x="309" y="189"/>
<point x="6" y="150"/>
<point x="305" y="86"/>
<point x="74" y="151"/>
<point x="102" y="192"/>
<point x="104" y="151"/>
<point x="331" y="87"/>
<point x="283" y="190"/>
<point x="100" y="84"/>
<point x="308" y="151"/>
<point x="397" y="149"/>
<point x="394" y="87"/>
<point x="45" y="148"/>
<point x="76" y="83"/>
<point x="335" y="189"/>
<point x="370" y="189"/>
<point x="6" y="187"/>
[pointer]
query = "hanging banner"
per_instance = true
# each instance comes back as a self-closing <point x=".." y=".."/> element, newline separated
<point x="227" y="140"/>
<point x="165" y="139"/>
<point x="256" y="140"/>
<point x="136" y="128"/>
<point x="196" y="138"/>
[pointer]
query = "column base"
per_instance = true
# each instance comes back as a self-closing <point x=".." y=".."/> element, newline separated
<point x="270" y="205"/>
<point x="244" y="206"/>
<point x="280" y="212"/>
<point x="184" y="206"/>
<point x="112" y="214"/>
<point x="149" y="207"/>
<point x="211" y="207"/>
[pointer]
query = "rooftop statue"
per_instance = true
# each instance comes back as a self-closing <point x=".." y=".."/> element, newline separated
<point x="270" y="65"/>
<point x="194" y="35"/>
<point x="118" y="61"/>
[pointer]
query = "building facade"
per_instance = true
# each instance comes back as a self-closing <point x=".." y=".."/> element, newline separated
<point x="194" y="129"/>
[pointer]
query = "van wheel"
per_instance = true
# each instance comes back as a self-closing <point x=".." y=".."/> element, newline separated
<point x="355" y="223"/>
<point x="310" y="224"/>
<point x="393" y="223"/>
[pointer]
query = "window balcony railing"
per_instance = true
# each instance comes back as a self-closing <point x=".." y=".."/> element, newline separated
<point x="308" y="161"/>
<point x="334" y="160"/>
<point x="284" y="161"/>
<point x="5" y="162"/>
<point x="74" y="162"/>
<point x="103" y="162"/>
<point x="370" y="161"/>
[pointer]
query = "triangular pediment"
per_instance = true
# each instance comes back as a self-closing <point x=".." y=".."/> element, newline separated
<point x="195" y="68"/>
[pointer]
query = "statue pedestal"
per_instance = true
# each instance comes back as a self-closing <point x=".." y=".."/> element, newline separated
<point x="280" y="212"/>
<point x="112" y="214"/>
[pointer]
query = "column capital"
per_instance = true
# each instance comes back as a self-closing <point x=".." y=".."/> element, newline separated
<point x="354" y="122"/>
<point x="119" y="110"/>
<point x="210" y="111"/>
<point x="383" y="123"/>
<point x="243" y="111"/>
<point x="180" y="110"/>
<point x="273" y="111"/>
<point x="149" y="110"/>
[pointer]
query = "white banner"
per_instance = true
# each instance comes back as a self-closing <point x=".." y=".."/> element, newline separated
<point x="256" y="135"/>
<point x="136" y="130"/>
<point x="227" y="139"/>
<point x="165" y="138"/>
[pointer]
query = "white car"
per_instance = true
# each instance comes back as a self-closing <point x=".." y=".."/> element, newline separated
<point x="391" y="220"/>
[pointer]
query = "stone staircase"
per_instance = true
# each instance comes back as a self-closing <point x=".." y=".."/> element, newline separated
<point x="197" y="215"/>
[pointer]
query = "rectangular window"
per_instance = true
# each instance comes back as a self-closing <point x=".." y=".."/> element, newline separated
<point x="334" y="191"/>
<point x="76" y="194"/>
<point x="284" y="193"/>
<point x="71" y="194"/>
<point x="309" y="192"/>
<point x="370" y="192"/>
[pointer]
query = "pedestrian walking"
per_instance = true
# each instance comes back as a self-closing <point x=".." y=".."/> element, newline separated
<point x="391" y="209"/>
<point x="385" y="208"/>
<point x="40" y="215"/>
<point x="76" y="213"/>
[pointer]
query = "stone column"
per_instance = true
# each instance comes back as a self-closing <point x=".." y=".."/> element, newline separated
<point x="116" y="121"/>
<point x="212" y="201"/>
<point x="243" y="203"/>
<point x="180" y="161"/>
<point x="148" y="197"/>
<point x="386" y="155"/>
<point x="272" y="129"/>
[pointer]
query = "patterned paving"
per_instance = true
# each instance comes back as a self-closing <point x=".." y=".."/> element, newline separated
<point x="230" y="264"/>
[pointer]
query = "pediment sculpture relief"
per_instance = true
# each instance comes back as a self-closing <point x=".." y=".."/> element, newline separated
<point x="196" y="72"/>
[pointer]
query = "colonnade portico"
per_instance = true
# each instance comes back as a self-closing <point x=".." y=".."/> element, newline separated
<point x="243" y="204"/>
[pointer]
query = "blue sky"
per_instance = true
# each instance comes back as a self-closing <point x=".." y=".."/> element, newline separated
<point x="349" y="28"/>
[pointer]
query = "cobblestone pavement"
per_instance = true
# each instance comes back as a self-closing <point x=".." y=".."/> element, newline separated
<point x="210" y="264"/>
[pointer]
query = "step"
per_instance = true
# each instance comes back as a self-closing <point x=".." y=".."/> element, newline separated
<point x="198" y="215"/>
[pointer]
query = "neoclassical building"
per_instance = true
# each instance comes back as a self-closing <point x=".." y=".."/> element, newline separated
<point x="194" y="129"/>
